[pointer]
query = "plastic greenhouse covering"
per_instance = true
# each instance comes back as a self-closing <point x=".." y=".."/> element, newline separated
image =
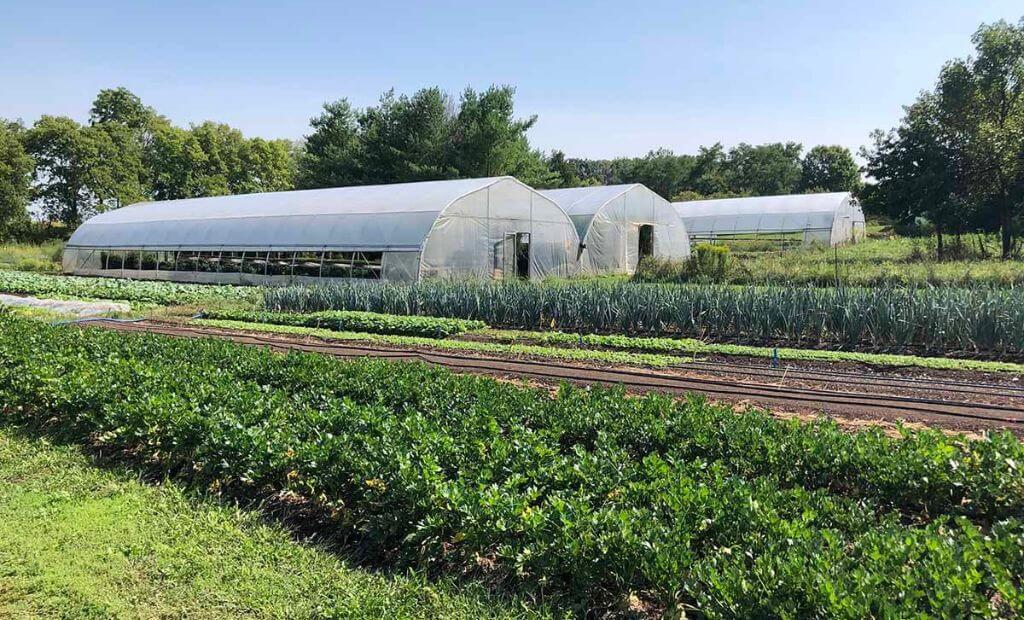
<point x="617" y="224"/>
<point x="830" y="218"/>
<point x="493" y="227"/>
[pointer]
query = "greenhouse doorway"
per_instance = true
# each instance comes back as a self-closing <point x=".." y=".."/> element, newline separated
<point x="646" y="241"/>
<point x="516" y="256"/>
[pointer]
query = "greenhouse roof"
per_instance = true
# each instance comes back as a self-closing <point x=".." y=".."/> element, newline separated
<point x="371" y="217"/>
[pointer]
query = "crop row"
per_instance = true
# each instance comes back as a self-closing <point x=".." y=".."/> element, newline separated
<point x="356" y="321"/>
<point x="589" y="495"/>
<point x="981" y="319"/>
<point x="140" y="291"/>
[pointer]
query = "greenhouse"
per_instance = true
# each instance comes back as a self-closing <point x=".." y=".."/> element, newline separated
<point x="620" y="224"/>
<point x="833" y="219"/>
<point x="491" y="228"/>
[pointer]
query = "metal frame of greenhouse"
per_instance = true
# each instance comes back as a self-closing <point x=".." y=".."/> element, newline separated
<point x="620" y="224"/>
<point x="493" y="227"/>
<point x="799" y="219"/>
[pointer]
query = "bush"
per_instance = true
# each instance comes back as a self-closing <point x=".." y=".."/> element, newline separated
<point x="588" y="495"/>
<point x="707" y="263"/>
<point x="369" y="322"/>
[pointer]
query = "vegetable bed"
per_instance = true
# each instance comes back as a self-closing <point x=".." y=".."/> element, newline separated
<point x="589" y="498"/>
<point x="368" y="322"/>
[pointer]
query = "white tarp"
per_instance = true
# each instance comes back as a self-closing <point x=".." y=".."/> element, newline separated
<point x="432" y="228"/>
<point x="833" y="218"/>
<point x="609" y="218"/>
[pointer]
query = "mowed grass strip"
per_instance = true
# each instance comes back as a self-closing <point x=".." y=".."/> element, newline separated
<point x="83" y="542"/>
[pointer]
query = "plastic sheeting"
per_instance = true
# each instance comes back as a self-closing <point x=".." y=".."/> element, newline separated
<point x="608" y="220"/>
<point x="434" y="228"/>
<point x="830" y="218"/>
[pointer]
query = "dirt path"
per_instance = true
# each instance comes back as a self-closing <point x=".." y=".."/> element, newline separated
<point x="948" y="404"/>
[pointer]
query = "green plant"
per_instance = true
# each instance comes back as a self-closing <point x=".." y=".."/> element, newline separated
<point x="143" y="291"/>
<point x="978" y="319"/>
<point x="589" y="496"/>
<point x="354" y="321"/>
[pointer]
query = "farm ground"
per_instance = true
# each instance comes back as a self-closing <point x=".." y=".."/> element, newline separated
<point x="961" y="401"/>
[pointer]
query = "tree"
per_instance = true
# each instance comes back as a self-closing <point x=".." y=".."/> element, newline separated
<point x="331" y="155"/>
<point x="404" y="138"/>
<point x="916" y="169"/>
<point x="120" y="105"/>
<point x="764" y="170"/>
<point x="830" y="169"/>
<point x="176" y="161"/>
<point x="487" y="140"/>
<point x="15" y="176"/>
<point x="980" y="101"/>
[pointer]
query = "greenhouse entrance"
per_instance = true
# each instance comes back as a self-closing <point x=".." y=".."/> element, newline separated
<point x="515" y="253"/>
<point x="646" y="241"/>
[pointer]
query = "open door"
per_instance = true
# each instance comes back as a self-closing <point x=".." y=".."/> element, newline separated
<point x="512" y="257"/>
<point x="646" y="238"/>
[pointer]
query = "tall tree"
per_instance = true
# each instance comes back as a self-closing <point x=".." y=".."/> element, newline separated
<point x="404" y="138"/>
<point x="916" y="169"/>
<point x="15" y="176"/>
<point x="332" y="152"/>
<point x="830" y="169"/>
<point x="981" y="101"/>
<point x="766" y="169"/>
<point x="120" y="105"/>
<point x="487" y="139"/>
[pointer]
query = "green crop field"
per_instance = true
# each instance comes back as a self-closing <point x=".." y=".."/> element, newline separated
<point x="586" y="499"/>
<point x="979" y="319"/>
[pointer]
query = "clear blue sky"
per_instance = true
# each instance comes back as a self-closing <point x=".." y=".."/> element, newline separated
<point x="605" y="78"/>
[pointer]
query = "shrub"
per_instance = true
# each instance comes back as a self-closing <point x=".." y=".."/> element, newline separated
<point x="707" y="263"/>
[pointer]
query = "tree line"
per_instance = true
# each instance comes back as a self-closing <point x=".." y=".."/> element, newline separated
<point x="127" y="152"/>
<point x="956" y="159"/>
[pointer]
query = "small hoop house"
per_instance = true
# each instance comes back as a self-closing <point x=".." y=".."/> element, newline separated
<point x="620" y="224"/>
<point x="470" y="228"/>
<point x="830" y="218"/>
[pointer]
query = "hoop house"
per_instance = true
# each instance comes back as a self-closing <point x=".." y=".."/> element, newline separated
<point x="620" y="224"/>
<point x="832" y="218"/>
<point x="494" y="227"/>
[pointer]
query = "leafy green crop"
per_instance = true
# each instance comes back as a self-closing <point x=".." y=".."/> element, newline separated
<point x="589" y="496"/>
<point x="355" y="321"/>
<point x="143" y="291"/>
<point x="931" y="319"/>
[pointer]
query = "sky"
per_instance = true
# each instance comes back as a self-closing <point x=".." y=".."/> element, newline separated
<point x="605" y="79"/>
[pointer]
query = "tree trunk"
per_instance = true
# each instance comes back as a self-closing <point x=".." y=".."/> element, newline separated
<point x="1006" y="219"/>
<point x="939" y="245"/>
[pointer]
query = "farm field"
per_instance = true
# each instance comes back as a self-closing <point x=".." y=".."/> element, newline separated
<point x="874" y="262"/>
<point x="587" y="498"/>
<point x="87" y="541"/>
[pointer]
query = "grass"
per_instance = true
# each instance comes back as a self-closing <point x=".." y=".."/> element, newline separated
<point x="84" y="542"/>
<point x="877" y="261"/>
<point x="44" y="257"/>
<point x="653" y="352"/>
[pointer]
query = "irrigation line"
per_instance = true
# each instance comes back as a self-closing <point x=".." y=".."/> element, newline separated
<point x="880" y="403"/>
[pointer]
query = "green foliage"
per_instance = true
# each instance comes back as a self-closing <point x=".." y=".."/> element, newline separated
<point x="930" y="319"/>
<point x="707" y="263"/>
<point x="421" y="137"/>
<point x="765" y="170"/>
<point x="354" y="321"/>
<point x="829" y="169"/>
<point x="588" y="497"/>
<point x="15" y="177"/>
<point x="81" y="541"/>
<point x="142" y="291"/>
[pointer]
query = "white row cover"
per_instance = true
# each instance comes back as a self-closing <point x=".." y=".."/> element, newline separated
<point x="456" y="228"/>
<point x="608" y="221"/>
<point x="832" y="218"/>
